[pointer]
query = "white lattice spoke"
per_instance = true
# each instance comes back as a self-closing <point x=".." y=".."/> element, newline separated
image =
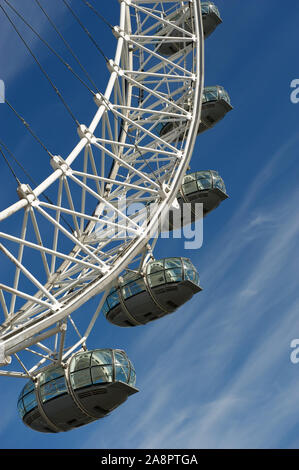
<point x="67" y="251"/>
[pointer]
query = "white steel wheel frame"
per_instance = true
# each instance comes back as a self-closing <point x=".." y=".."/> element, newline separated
<point x="129" y="161"/>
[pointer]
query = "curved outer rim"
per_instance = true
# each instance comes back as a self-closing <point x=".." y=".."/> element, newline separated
<point x="12" y="344"/>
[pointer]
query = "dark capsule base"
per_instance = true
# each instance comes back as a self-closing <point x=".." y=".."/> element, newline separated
<point x="143" y="308"/>
<point x="63" y="414"/>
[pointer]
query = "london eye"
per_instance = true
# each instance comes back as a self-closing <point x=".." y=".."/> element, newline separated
<point x="85" y="241"/>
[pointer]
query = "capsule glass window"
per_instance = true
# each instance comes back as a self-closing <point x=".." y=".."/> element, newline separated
<point x="80" y="371"/>
<point x="132" y="376"/>
<point x="214" y="9"/>
<point x="101" y="366"/>
<point x="189" y="185"/>
<point x="207" y="7"/>
<point x="172" y="263"/>
<point x="100" y="357"/>
<point x="81" y="378"/>
<point x="190" y="273"/>
<point x="52" y="383"/>
<point x="173" y="270"/>
<point x="21" y="407"/>
<point x="173" y="275"/>
<point x="27" y="399"/>
<point x="155" y="266"/>
<point x="222" y="93"/>
<point x="113" y="299"/>
<point x="218" y="181"/>
<point x="92" y="368"/>
<point x="102" y="374"/>
<point x="105" y="308"/>
<point x="204" y="180"/>
<point x="210" y="94"/>
<point x="123" y="368"/>
<point x="158" y="128"/>
<point x="164" y="271"/>
<point x="156" y="279"/>
<point x="132" y="288"/>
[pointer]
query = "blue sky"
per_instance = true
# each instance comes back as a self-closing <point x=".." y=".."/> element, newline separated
<point x="217" y="373"/>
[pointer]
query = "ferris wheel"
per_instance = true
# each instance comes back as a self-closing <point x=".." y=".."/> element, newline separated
<point x="126" y="175"/>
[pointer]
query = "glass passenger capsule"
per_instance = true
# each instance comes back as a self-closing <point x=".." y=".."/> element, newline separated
<point x="215" y="105"/>
<point x="163" y="286"/>
<point x="92" y="384"/>
<point x="210" y="18"/>
<point x="205" y="187"/>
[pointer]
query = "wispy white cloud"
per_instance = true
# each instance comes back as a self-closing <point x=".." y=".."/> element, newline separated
<point x="222" y="376"/>
<point x="217" y="373"/>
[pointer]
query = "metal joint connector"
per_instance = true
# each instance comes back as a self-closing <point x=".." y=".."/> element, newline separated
<point x="25" y="192"/>
<point x="57" y="162"/>
<point x="113" y="67"/>
<point x="85" y="133"/>
<point x="101" y="100"/>
<point x="4" y="360"/>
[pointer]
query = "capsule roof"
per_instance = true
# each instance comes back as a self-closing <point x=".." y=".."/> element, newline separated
<point x="201" y="180"/>
<point x="208" y="7"/>
<point x="215" y="93"/>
